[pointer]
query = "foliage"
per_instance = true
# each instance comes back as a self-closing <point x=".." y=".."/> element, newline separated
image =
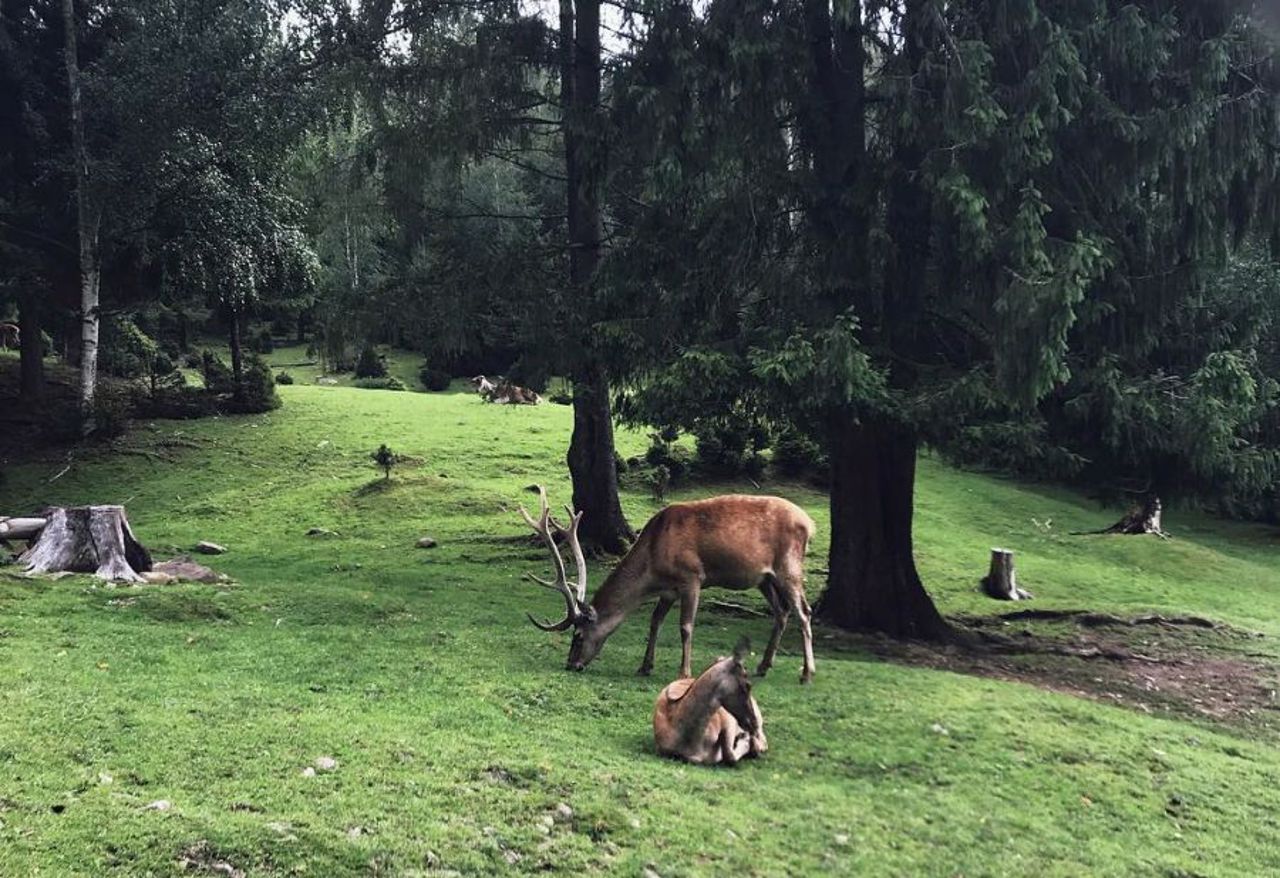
<point x="284" y="378"/>
<point x="433" y="378"/>
<point x="385" y="458"/>
<point x="387" y="382"/>
<point x="370" y="364"/>
<point x="217" y="376"/>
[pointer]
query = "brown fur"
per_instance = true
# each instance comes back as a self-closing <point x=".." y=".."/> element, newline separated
<point x="710" y="720"/>
<point x="736" y="541"/>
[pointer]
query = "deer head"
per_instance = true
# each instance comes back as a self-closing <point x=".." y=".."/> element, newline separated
<point x="579" y="614"/>
<point x="734" y="688"/>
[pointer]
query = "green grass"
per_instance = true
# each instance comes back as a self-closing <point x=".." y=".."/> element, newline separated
<point x="457" y="732"/>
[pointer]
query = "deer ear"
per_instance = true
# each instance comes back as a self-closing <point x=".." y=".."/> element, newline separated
<point x="742" y="650"/>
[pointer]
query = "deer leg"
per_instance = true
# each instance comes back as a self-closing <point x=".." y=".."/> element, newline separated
<point x="781" y="612"/>
<point x="659" y="613"/>
<point x="727" y="756"/>
<point x="793" y="591"/>
<point x="688" y="610"/>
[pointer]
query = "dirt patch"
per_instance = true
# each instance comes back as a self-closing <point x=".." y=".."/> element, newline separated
<point x="1188" y="667"/>
<point x="202" y="859"/>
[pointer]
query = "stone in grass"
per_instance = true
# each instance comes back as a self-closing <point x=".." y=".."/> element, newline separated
<point x="563" y="813"/>
<point x="158" y="805"/>
<point x="322" y="532"/>
<point x="204" y="547"/>
<point x="426" y="543"/>
<point x="308" y="772"/>
<point x="326" y="763"/>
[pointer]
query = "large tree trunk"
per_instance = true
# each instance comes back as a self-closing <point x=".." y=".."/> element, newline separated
<point x="88" y="539"/>
<point x="32" y="369"/>
<point x="591" y="449"/>
<point x="86" y="225"/>
<point x="594" y="468"/>
<point x="873" y="584"/>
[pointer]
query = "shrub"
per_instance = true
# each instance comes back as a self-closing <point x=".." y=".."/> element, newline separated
<point x="433" y="378"/>
<point x="795" y="454"/>
<point x="217" y="374"/>
<point x="387" y="383"/>
<point x="370" y="364"/>
<point x="261" y="342"/>
<point x="258" y="393"/>
<point x="125" y="351"/>
<point x="112" y="406"/>
<point x="284" y="378"/>
<point x="561" y="397"/>
<point x="385" y="458"/>
<point x="674" y="458"/>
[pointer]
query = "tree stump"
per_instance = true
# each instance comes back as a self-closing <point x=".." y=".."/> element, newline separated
<point x="1001" y="582"/>
<point x="88" y="539"/>
<point x="1141" y="519"/>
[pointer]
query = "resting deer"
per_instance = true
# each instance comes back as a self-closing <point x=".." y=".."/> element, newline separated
<point x="10" y="336"/>
<point x="712" y="719"/>
<point x="737" y="541"/>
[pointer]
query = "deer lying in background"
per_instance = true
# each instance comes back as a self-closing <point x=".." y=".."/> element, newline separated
<point x="482" y="385"/>
<point x="506" y="393"/>
<point x="713" y="719"/>
<point x="737" y="541"/>
<point x="10" y="336"/>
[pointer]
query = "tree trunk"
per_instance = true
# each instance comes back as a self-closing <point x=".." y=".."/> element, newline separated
<point x="88" y="539"/>
<point x="32" y="343"/>
<point x="1001" y="582"/>
<point x="873" y="584"/>
<point x="591" y="450"/>
<point x="86" y="225"/>
<point x="237" y="352"/>
<point x="594" y="468"/>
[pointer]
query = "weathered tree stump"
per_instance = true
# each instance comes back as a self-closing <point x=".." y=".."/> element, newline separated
<point x="88" y="539"/>
<point x="1001" y="582"/>
<point x="1141" y="519"/>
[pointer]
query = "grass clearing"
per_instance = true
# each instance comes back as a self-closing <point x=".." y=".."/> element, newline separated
<point x="456" y="733"/>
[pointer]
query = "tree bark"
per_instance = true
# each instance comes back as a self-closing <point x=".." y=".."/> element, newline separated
<point x="32" y="346"/>
<point x="873" y="584"/>
<point x="237" y="351"/>
<point x="88" y="539"/>
<point x="591" y="449"/>
<point x="594" y="468"/>
<point x="86" y="225"/>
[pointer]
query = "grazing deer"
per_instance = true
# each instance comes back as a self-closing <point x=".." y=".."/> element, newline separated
<point x="10" y="336"/>
<point x="737" y="541"/>
<point x="712" y="719"/>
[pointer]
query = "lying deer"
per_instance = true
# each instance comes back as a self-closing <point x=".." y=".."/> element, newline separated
<point x="737" y="541"/>
<point x="712" y="719"/>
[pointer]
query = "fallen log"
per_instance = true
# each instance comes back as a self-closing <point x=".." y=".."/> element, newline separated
<point x="88" y="539"/>
<point x="21" y="528"/>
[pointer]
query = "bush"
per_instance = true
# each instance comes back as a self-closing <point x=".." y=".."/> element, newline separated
<point x="370" y="364"/>
<point x="261" y="342"/>
<point x="387" y="383"/>
<point x="673" y="458"/>
<point x="795" y="454"/>
<point x="433" y="378"/>
<point x="259" y="391"/>
<point x="385" y="458"/>
<point x="561" y="397"/>
<point x="284" y="378"/>
<point x="112" y="406"/>
<point x="217" y="374"/>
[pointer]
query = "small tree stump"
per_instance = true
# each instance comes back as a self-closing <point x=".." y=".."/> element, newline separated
<point x="88" y="539"/>
<point x="1001" y="582"/>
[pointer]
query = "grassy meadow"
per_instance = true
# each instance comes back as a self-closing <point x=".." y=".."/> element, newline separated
<point x="164" y="730"/>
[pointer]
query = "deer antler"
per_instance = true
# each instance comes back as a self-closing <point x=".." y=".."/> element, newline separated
<point x="573" y="598"/>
